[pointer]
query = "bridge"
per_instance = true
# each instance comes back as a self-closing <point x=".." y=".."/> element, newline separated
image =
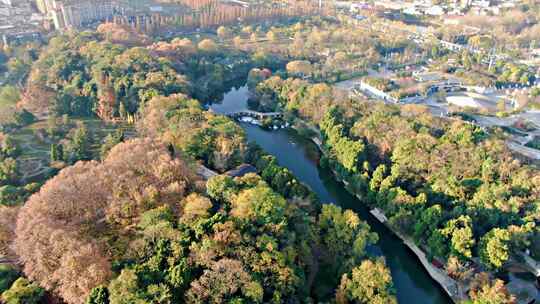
<point x="236" y="2"/>
<point x="254" y="114"/>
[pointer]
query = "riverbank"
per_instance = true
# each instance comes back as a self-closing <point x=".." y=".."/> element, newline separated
<point x="296" y="152"/>
<point x="453" y="289"/>
<point x="457" y="291"/>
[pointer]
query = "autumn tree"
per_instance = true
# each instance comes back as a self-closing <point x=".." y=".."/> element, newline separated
<point x="225" y="281"/>
<point x="485" y="290"/>
<point x="299" y="67"/>
<point x="207" y="45"/>
<point x="59" y="223"/>
<point x="224" y="32"/>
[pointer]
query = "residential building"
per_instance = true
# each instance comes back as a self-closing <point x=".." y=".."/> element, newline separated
<point x="18" y="21"/>
<point x="67" y="14"/>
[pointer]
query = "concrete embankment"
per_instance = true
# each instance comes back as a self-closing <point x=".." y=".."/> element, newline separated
<point x="449" y="285"/>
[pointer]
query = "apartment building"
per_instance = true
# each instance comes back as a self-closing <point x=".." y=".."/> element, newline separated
<point x="66" y="14"/>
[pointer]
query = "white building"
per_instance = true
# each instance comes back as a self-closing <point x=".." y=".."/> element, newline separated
<point x="435" y="10"/>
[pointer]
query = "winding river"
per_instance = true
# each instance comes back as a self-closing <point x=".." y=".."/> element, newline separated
<point x="412" y="282"/>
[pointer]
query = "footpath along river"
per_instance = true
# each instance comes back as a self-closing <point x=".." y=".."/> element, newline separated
<point x="412" y="282"/>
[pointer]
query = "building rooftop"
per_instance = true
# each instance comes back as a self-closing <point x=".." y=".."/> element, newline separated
<point x="241" y="170"/>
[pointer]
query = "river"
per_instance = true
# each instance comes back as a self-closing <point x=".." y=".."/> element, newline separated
<point x="412" y="282"/>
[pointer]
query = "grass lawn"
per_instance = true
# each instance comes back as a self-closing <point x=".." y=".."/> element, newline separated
<point x="35" y="152"/>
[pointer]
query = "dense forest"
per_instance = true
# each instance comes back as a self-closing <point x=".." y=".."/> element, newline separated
<point x="137" y="224"/>
<point x="453" y="187"/>
<point x="130" y="219"/>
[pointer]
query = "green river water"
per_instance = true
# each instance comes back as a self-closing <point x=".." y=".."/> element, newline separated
<point x="412" y="282"/>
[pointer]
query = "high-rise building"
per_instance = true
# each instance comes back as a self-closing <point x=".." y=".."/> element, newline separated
<point x="76" y="13"/>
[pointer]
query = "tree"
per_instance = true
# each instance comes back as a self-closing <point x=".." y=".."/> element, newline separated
<point x="371" y="282"/>
<point x="80" y="143"/>
<point x="495" y="248"/>
<point x="9" y="171"/>
<point x="58" y="238"/>
<point x="459" y="231"/>
<point x="259" y="204"/>
<point x="52" y="125"/>
<point x="344" y="237"/>
<point x="111" y="140"/>
<point x="125" y="289"/>
<point x="9" y="95"/>
<point x="8" y="147"/>
<point x="224" y="32"/>
<point x="98" y="295"/>
<point x="428" y="222"/>
<point x="57" y="152"/>
<point x="299" y="67"/>
<point x="8" y="275"/>
<point x="10" y="195"/>
<point x="220" y="188"/>
<point x="485" y="291"/>
<point x="271" y="36"/>
<point x="501" y="105"/>
<point x="255" y="76"/>
<point x="24" y="118"/>
<point x="238" y="42"/>
<point x="208" y="46"/>
<point x="23" y="292"/>
<point x="225" y="281"/>
<point x="196" y="207"/>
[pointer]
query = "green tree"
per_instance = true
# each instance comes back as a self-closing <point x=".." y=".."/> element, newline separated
<point x="111" y="140"/>
<point x="428" y="222"/>
<point x="57" y="152"/>
<point x="125" y="289"/>
<point x="8" y="147"/>
<point x="437" y="244"/>
<point x="220" y="188"/>
<point x="8" y="275"/>
<point x="460" y="233"/>
<point x="10" y="195"/>
<point x="52" y="125"/>
<point x="98" y="295"/>
<point x="344" y="237"/>
<point x="495" y="248"/>
<point x="24" y="118"/>
<point x="23" y="292"/>
<point x="9" y="171"/>
<point x="259" y="204"/>
<point x="80" y="144"/>
<point x="371" y="282"/>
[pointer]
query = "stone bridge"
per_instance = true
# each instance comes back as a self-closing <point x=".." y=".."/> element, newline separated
<point x="254" y="114"/>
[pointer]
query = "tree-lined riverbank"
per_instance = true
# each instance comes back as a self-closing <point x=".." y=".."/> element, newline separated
<point x="301" y="157"/>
